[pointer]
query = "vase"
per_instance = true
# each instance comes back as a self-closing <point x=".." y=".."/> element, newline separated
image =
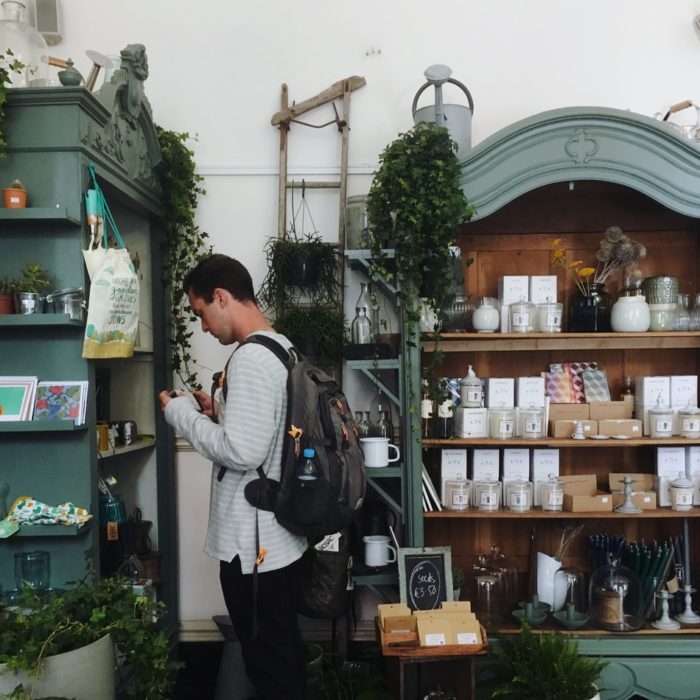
<point x="546" y="568"/>
<point x="590" y="313"/>
<point x="630" y="315"/>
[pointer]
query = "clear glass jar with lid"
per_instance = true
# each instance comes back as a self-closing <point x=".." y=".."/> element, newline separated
<point x="531" y="423"/>
<point x="522" y="316"/>
<point x="549" y="315"/>
<point x="519" y="496"/>
<point x="501" y="423"/>
<point x="552" y="494"/>
<point x="457" y="494"/>
<point x="471" y="390"/>
<point x="26" y="45"/>
<point x="682" y="493"/>
<point x="487" y="495"/>
<point x="615" y="600"/>
<point x="689" y="422"/>
<point x="660" y="421"/>
<point x="357" y="231"/>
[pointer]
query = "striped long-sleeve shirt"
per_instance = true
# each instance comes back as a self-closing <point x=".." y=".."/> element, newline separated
<point x="250" y="433"/>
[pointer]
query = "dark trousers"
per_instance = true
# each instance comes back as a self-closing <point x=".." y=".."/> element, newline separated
<point x="274" y="660"/>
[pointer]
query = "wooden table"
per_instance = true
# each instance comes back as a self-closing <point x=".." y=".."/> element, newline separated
<point x="411" y="670"/>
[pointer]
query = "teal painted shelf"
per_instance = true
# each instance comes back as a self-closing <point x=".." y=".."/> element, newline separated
<point x="30" y="426"/>
<point x="383" y="472"/>
<point x="41" y="215"/>
<point x="39" y="320"/>
<point x="52" y="530"/>
<point x="392" y="363"/>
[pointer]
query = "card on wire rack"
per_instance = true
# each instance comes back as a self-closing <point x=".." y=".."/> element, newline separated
<point x="61" y="400"/>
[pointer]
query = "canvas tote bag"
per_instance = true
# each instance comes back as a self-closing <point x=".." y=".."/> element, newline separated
<point x="113" y="306"/>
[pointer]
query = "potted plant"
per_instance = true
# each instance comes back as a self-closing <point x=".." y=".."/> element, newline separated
<point x="317" y="331"/>
<point x="457" y="581"/>
<point x="7" y="291"/>
<point x="32" y="282"/>
<point x="15" y="196"/>
<point x="299" y="266"/>
<point x="415" y="205"/>
<point x="544" y="666"/>
<point x="44" y="632"/>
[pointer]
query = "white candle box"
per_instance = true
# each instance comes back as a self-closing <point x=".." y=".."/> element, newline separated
<point x="543" y="288"/>
<point x="453" y="465"/>
<point x="474" y="423"/>
<point x="545" y="462"/>
<point x="692" y="470"/>
<point x="485" y="465"/>
<point x="669" y="462"/>
<point x="647" y="392"/>
<point x="499" y="392"/>
<point x="516" y="465"/>
<point x="511" y="288"/>
<point x="529" y="392"/>
<point x="684" y="392"/>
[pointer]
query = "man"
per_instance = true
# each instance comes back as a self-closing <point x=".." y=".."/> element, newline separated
<point x="249" y="433"/>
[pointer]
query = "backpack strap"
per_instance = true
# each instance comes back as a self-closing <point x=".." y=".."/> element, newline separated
<point x="287" y="357"/>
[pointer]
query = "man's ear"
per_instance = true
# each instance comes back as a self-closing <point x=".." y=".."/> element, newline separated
<point x="220" y="296"/>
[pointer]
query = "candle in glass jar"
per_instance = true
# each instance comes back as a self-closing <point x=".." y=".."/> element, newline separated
<point x="552" y="494"/>
<point x="487" y="495"/>
<point x="457" y="494"/>
<point x="660" y="421"/>
<point x="549" y="317"/>
<point x="501" y="423"/>
<point x="689" y="422"/>
<point x="522" y="316"/>
<point x="519" y="496"/>
<point x="531" y="423"/>
<point x="681" y="493"/>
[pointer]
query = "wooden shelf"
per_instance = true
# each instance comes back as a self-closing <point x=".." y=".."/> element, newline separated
<point x="40" y="426"/>
<point x="39" y="320"/>
<point x="41" y="215"/>
<point x="524" y="342"/>
<point x="536" y="514"/>
<point x="549" y="627"/>
<point x="140" y="444"/>
<point x="560" y="442"/>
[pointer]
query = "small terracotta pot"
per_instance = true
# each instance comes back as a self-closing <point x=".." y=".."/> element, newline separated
<point x="14" y="198"/>
<point x="7" y="305"/>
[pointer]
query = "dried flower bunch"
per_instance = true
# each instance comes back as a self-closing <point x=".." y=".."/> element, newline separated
<point x="616" y="251"/>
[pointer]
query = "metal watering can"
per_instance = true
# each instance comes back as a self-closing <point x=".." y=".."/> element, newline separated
<point x="457" y="119"/>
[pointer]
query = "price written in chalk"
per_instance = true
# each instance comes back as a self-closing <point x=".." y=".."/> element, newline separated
<point x="425" y="586"/>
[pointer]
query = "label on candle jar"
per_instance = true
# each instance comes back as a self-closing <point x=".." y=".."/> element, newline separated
<point x="690" y="425"/>
<point x="505" y="427"/>
<point x="553" y="319"/>
<point x="555" y="498"/>
<point x="488" y="499"/>
<point x="520" y="319"/>
<point x="533" y="426"/>
<point x="663" y="425"/>
<point x="684" y="497"/>
<point x="519" y="499"/>
<point x="460" y="500"/>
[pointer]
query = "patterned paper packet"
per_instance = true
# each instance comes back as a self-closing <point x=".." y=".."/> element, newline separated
<point x="595" y="384"/>
<point x="557" y="386"/>
<point x="575" y="370"/>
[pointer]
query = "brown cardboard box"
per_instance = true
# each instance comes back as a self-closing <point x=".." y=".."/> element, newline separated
<point x="642" y="482"/>
<point x="610" y="409"/>
<point x="580" y="503"/>
<point x="579" y="484"/>
<point x="396" y="617"/>
<point x="461" y="606"/>
<point x="565" y="428"/>
<point x="568" y="411"/>
<point x="621" y="426"/>
<point x="646" y="500"/>
<point x="448" y="627"/>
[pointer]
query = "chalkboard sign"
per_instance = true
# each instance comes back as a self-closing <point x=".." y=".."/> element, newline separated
<point x="425" y="576"/>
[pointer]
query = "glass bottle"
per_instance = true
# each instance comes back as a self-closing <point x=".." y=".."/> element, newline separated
<point x="384" y="428"/>
<point x="361" y="328"/>
<point x="26" y="46"/>
<point x="695" y="314"/>
<point x="368" y="302"/>
<point x="627" y="393"/>
<point x="681" y="320"/>
<point x="426" y="414"/>
<point x="307" y="469"/>
<point x="443" y="425"/>
<point x="362" y="423"/>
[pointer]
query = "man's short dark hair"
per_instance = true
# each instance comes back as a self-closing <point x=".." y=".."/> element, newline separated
<point x="219" y="271"/>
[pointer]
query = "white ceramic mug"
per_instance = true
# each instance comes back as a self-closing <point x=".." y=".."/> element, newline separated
<point x="376" y="451"/>
<point x="378" y="551"/>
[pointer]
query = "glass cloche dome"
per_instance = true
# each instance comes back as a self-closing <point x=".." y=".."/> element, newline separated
<point x="20" y="42"/>
<point x="615" y="598"/>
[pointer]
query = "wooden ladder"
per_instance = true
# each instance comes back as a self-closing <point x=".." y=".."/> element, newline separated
<point x="287" y="115"/>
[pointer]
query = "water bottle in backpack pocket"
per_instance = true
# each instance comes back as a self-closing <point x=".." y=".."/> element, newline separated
<point x="311" y="491"/>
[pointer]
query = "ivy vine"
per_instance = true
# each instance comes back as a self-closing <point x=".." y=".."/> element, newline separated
<point x="185" y="244"/>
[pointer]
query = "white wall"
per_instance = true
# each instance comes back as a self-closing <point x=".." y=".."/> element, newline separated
<point x="216" y="68"/>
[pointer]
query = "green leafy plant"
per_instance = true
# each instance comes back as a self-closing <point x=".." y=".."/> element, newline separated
<point x="42" y="627"/>
<point x="318" y="331"/>
<point x="544" y="667"/>
<point x="16" y="185"/>
<point x="7" y="286"/>
<point x="8" y="65"/>
<point x="457" y="577"/>
<point x="185" y="244"/>
<point x="33" y="279"/>
<point x="299" y="266"/>
<point x="415" y="206"/>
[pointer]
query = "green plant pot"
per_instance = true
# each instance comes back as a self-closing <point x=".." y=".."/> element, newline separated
<point x="304" y="269"/>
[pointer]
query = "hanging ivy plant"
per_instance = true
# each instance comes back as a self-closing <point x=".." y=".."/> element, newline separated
<point x="415" y="206"/>
<point x="185" y="243"/>
<point x="8" y="65"/>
